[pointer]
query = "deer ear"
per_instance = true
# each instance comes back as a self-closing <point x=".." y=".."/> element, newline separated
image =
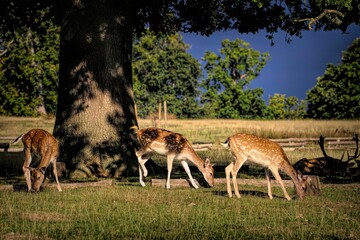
<point x="225" y="144"/>
<point x="300" y="176"/>
<point x="207" y="162"/>
<point x="42" y="170"/>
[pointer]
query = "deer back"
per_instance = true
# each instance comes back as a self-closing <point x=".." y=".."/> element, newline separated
<point x="41" y="143"/>
<point x="258" y="149"/>
<point x="162" y="141"/>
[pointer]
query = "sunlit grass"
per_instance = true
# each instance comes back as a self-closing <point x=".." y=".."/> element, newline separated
<point x="132" y="212"/>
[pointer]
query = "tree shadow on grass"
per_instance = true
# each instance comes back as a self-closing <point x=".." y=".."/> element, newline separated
<point x="222" y="193"/>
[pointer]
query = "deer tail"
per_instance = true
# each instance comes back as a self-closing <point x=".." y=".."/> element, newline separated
<point x="135" y="128"/>
<point x="226" y="144"/>
<point x="17" y="139"/>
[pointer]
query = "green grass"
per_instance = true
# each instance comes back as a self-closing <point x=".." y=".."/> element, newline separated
<point x="132" y="212"/>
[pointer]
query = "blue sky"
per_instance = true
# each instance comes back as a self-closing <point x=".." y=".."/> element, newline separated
<point x="293" y="68"/>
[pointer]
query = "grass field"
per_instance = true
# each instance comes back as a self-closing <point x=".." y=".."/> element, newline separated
<point x="133" y="212"/>
<point x="128" y="211"/>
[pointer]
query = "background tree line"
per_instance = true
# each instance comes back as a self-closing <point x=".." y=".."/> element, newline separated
<point x="164" y="71"/>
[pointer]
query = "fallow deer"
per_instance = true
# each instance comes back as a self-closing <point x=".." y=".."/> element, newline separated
<point x="41" y="144"/>
<point x="326" y="165"/>
<point x="265" y="153"/>
<point x="174" y="146"/>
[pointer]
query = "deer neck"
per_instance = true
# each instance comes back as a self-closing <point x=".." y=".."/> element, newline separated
<point x="192" y="156"/>
<point x="290" y="171"/>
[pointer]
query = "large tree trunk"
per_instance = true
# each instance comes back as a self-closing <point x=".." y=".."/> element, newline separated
<point x="95" y="103"/>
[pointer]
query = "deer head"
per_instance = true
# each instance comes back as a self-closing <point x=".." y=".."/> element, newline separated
<point x="208" y="172"/>
<point x="37" y="177"/>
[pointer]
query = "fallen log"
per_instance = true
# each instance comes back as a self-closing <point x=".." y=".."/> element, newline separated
<point x="185" y="183"/>
<point x="201" y="146"/>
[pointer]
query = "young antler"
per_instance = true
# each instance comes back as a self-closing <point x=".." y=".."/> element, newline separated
<point x="356" y="154"/>
<point x="321" y="143"/>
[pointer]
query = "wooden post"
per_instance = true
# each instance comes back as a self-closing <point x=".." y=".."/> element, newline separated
<point x="165" y="114"/>
<point x="157" y="119"/>
<point x="159" y="111"/>
<point x="136" y="113"/>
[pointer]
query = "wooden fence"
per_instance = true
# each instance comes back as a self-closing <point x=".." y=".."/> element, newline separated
<point x="289" y="144"/>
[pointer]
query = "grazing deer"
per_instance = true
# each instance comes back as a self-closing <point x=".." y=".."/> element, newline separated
<point x="326" y="165"/>
<point x="41" y="144"/>
<point x="263" y="152"/>
<point x="174" y="146"/>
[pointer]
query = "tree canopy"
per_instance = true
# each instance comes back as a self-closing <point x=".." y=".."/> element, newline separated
<point x="29" y="62"/>
<point x="282" y="107"/>
<point x="164" y="71"/>
<point x="203" y="16"/>
<point x="227" y="76"/>
<point x="336" y="94"/>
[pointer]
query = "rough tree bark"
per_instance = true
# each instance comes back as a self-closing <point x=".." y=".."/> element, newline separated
<point x="95" y="102"/>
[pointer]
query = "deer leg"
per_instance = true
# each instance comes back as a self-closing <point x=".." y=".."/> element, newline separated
<point x="142" y="165"/>
<point x="142" y="162"/>
<point x="187" y="170"/>
<point x="277" y="176"/>
<point x="47" y="176"/>
<point x="26" y="169"/>
<point x="228" y="170"/>
<point x="142" y="168"/>
<point x="170" y="159"/>
<point x="141" y="176"/>
<point x="235" y="170"/>
<point x="55" y="175"/>
<point x="268" y="179"/>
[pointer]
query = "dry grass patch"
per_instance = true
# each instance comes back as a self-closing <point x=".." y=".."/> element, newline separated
<point x="16" y="236"/>
<point x="14" y="126"/>
<point x="45" y="216"/>
<point x="212" y="129"/>
<point x="216" y="130"/>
